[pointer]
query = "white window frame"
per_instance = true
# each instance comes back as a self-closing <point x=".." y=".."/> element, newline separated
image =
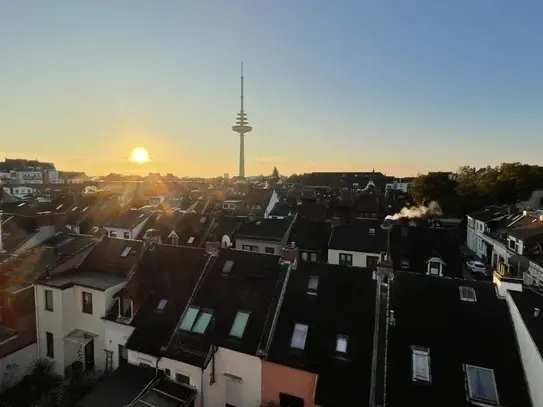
<point x="301" y="330"/>
<point x="464" y="296"/>
<point x="470" y="392"/>
<point x="421" y="355"/>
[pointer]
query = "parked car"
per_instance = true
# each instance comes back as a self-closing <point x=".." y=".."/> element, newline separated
<point x="476" y="267"/>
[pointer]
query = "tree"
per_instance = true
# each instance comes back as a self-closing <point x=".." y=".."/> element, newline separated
<point x="275" y="174"/>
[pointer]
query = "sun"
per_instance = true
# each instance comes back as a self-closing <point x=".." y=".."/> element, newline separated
<point x="139" y="155"/>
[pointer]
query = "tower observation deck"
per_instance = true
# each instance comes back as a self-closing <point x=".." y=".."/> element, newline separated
<point x="242" y="127"/>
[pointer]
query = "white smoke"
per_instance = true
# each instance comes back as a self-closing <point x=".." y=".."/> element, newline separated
<point x="413" y="212"/>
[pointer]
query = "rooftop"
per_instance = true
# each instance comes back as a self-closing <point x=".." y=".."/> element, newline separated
<point x="128" y="219"/>
<point x="267" y="229"/>
<point x="360" y="235"/>
<point x="527" y="302"/>
<point x="310" y="235"/>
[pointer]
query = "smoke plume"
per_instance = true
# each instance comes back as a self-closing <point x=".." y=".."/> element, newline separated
<point x="413" y="212"/>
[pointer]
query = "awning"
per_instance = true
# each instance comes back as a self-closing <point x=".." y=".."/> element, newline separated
<point x="80" y="337"/>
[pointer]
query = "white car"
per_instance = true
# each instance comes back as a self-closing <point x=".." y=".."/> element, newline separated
<point x="476" y="267"/>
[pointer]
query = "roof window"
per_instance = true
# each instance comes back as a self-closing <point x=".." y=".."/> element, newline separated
<point x="126" y="251"/>
<point x="238" y="327"/>
<point x="202" y="323"/>
<point x="404" y="263"/>
<point x="299" y="336"/>
<point x="467" y="294"/>
<point x="191" y="239"/>
<point x="142" y="215"/>
<point x="188" y="320"/>
<point x="227" y="266"/>
<point x="75" y="208"/>
<point x="60" y="206"/>
<point x="162" y="304"/>
<point x="341" y="344"/>
<point x="21" y="204"/>
<point x="313" y="285"/>
<point x="371" y="231"/>
<point x="421" y="364"/>
<point x="481" y="384"/>
<point x="85" y="208"/>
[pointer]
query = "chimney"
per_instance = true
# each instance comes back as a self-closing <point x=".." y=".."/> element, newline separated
<point x="213" y="248"/>
<point x="289" y="254"/>
<point x="387" y="226"/>
<point x="536" y="312"/>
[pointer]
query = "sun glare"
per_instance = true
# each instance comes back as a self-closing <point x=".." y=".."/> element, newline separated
<point x="139" y="155"/>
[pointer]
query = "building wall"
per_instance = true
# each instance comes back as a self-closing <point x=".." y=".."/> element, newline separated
<point x="193" y="372"/>
<point x="116" y="334"/>
<point x="359" y="258"/>
<point x="262" y="245"/>
<point x="532" y="361"/>
<point x="278" y="379"/>
<point x="132" y="233"/>
<point x="50" y="321"/>
<point x="16" y="365"/>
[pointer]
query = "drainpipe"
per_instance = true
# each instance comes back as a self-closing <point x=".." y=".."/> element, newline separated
<point x="37" y="318"/>
<point x="201" y="387"/>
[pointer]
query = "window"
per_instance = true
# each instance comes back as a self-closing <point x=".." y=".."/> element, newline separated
<point x="191" y="239"/>
<point x="512" y="244"/>
<point x="188" y="319"/>
<point x="481" y="384"/>
<point x="60" y="206"/>
<point x="270" y="250"/>
<point x="85" y="209"/>
<point x="314" y="257"/>
<point x="238" y="327"/>
<point x="299" y="336"/>
<point x="312" y="285"/>
<point x="50" y="345"/>
<point x="181" y="378"/>
<point x="371" y="261"/>
<point x="304" y="256"/>
<point x="227" y="266"/>
<point x="434" y="268"/>
<point x="371" y="231"/>
<point x="49" y="300"/>
<point x="168" y="372"/>
<point x="126" y="235"/>
<point x="125" y="307"/>
<point x="421" y="364"/>
<point x="175" y="241"/>
<point x="467" y="294"/>
<point x="162" y="305"/>
<point x="341" y="344"/>
<point x="202" y="323"/>
<point x="250" y="248"/>
<point x="126" y="251"/>
<point x="87" y="302"/>
<point x="345" y="259"/>
<point x="112" y="234"/>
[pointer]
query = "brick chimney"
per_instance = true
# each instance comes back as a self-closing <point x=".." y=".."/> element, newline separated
<point x="289" y="254"/>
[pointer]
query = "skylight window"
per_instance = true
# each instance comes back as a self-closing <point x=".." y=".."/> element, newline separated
<point x="162" y="304"/>
<point x="299" y="336"/>
<point x="481" y="384"/>
<point x="341" y="344"/>
<point x="191" y="239"/>
<point x="238" y="327"/>
<point x="126" y="251"/>
<point x="227" y="266"/>
<point x="467" y="294"/>
<point x="371" y="231"/>
<point x="188" y="319"/>
<point x="404" y="263"/>
<point x="60" y="206"/>
<point x="75" y="208"/>
<point x="142" y="215"/>
<point x="21" y="204"/>
<point x="202" y="323"/>
<point x="421" y="364"/>
<point x="85" y="208"/>
<point x="313" y="285"/>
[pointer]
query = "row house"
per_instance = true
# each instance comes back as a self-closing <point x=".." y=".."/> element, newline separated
<point x="128" y="224"/>
<point x="263" y="235"/>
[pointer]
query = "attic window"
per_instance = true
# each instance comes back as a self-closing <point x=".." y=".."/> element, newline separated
<point x="371" y="231"/>
<point x="191" y="239"/>
<point x="60" y="206"/>
<point x="341" y="344"/>
<point x="227" y="266"/>
<point x="481" y="385"/>
<point x="299" y="336"/>
<point x="188" y="319"/>
<point x="74" y="208"/>
<point x="312" y="285"/>
<point x="238" y="327"/>
<point x="162" y="304"/>
<point x="202" y="323"/>
<point x="467" y="294"/>
<point x="421" y="364"/>
<point x="125" y="308"/>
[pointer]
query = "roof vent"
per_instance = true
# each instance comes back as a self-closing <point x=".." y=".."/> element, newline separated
<point x="536" y="312"/>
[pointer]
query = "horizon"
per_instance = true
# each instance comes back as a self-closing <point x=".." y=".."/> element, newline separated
<point x="405" y="90"/>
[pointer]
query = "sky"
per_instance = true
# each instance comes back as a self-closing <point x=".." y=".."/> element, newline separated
<point x="400" y="86"/>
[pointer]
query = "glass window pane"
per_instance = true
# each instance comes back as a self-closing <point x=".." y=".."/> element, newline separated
<point x="481" y="384"/>
<point x="202" y="323"/>
<point x="341" y="344"/>
<point x="162" y="304"/>
<point x="299" y="336"/>
<point x="238" y="327"/>
<point x="188" y="320"/>
<point x="313" y="283"/>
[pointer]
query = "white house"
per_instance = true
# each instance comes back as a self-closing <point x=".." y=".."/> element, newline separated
<point x="128" y="225"/>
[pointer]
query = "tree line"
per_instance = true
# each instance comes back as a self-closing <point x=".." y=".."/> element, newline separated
<point x="473" y="188"/>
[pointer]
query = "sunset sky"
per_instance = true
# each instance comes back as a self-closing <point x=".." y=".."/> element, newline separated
<point x="399" y="86"/>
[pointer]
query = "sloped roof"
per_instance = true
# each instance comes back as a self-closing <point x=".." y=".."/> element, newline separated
<point x="128" y="219"/>
<point x="264" y="229"/>
<point x="357" y="236"/>
<point x="310" y="235"/>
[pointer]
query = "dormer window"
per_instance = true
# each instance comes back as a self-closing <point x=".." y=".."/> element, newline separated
<point x="435" y="266"/>
<point x="125" y="308"/>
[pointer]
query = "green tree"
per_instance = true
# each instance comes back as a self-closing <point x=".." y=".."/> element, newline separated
<point x="275" y="174"/>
